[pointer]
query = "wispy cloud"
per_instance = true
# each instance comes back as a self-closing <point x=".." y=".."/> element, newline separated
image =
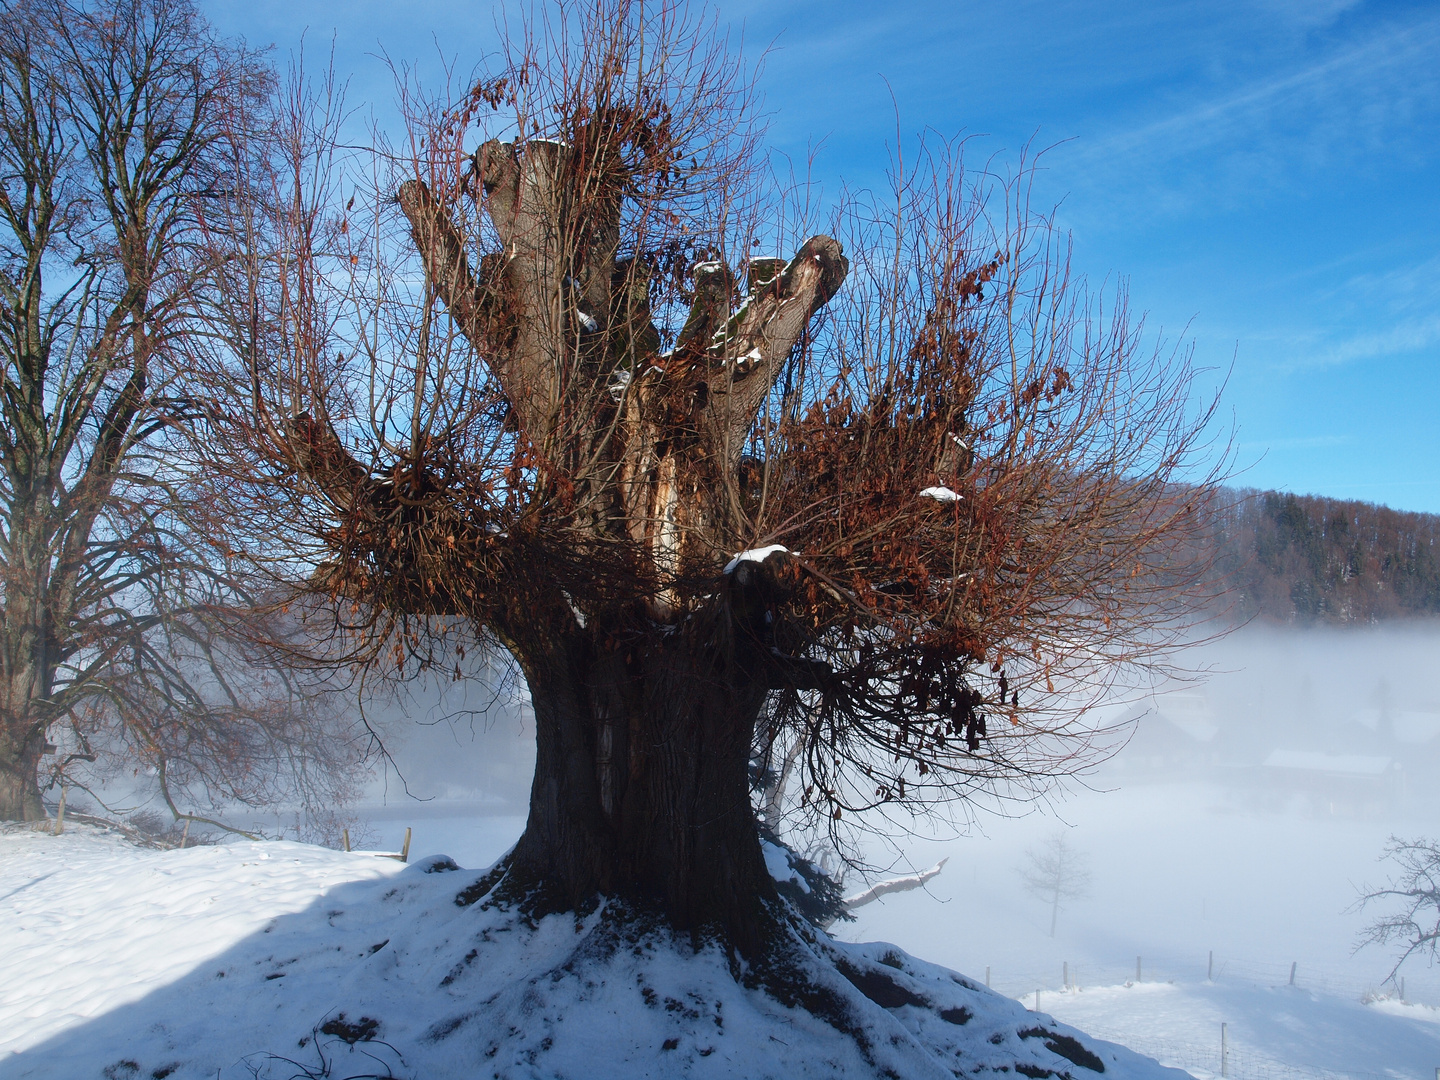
<point x="1410" y="336"/>
<point x="1414" y="287"/>
<point x="1310" y="13"/>
<point x="1364" y="101"/>
<point x="1381" y="64"/>
<point x="1394" y="312"/>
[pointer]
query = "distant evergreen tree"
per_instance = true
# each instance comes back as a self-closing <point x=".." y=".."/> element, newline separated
<point x="1309" y="559"/>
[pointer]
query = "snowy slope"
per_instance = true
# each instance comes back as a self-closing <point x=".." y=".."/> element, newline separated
<point x="93" y="923"/>
<point x="285" y="960"/>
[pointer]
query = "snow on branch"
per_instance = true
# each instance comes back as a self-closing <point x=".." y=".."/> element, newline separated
<point x="899" y="884"/>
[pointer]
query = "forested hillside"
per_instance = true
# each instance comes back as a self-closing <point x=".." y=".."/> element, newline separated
<point x="1309" y="559"/>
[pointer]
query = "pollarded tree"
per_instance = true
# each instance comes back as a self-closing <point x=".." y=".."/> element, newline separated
<point x="889" y="513"/>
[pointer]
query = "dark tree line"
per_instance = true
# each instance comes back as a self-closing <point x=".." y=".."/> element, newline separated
<point x="1307" y="559"/>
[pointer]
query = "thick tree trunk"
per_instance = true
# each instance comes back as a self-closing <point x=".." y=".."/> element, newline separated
<point x="641" y="781"/>
<point x="19" y="766"/>
<point x="27" y="686"/>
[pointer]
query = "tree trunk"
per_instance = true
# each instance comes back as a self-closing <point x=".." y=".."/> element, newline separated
<point x="641" y="785"/>
<point x="27" y="678"/>
<point x="20" y="750"/>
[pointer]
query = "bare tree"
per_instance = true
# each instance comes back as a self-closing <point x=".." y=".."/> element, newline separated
<point x="119" y="613"/>
<point x="1055" y="872"/>
<point x="547" y="391"/>
<point x="1414" y="895"/>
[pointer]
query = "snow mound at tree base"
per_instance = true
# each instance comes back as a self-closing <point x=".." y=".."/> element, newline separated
<point x="399" y="974"/>
<point x="614" y="994"/>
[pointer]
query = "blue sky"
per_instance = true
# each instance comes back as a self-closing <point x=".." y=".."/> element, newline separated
<point x="1266" y="174"/>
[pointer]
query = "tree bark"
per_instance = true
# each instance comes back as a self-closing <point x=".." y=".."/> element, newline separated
<point x="27" y="673"/>
<point x="21" y="746"/>
<point x="641" y="787"/>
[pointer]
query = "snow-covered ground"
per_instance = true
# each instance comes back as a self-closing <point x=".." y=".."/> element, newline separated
<point x="1272" y="1031"/>
<point x="94" y="925"/>
<point x="216" y="958"/>
<point x="282" y="960"/>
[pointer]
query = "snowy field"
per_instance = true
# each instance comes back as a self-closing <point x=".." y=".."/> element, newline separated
<point x="1225" y="847"/>
<point x="1179" y="873"/>
<point x="1204" y="859"/>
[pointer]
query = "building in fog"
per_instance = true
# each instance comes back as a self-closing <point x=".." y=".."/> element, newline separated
<point x="1175" y="733"/>
<point x="1345" y="784"/>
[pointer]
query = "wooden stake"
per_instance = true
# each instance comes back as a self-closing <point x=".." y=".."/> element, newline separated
<point x="1292" y="971"/>
<point x="185" y="835"/>
<point x="345" y="835"/>
<point x="1210" y="968"/>
<point x="60" y="812"/>
<point x="1224" y="1052"/>
<point x="405" y="847"/>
